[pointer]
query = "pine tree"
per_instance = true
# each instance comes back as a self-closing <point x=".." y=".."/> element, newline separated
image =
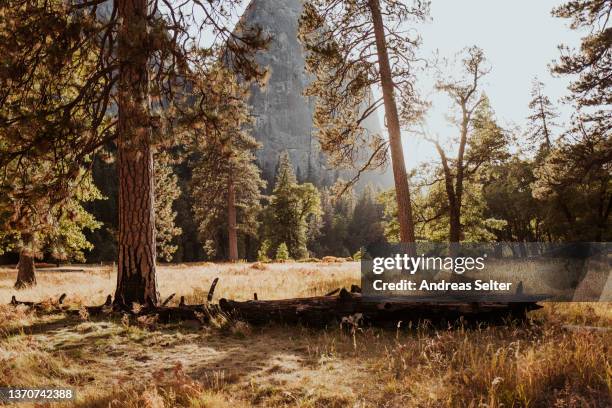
<point x="365" y="227"/>
<point x="167" y="192"/>
<point x="507" y="194"/>
<point x="542" y="117"/>
<point x="574" y="182"/>
<point x="337" y="213"/>
<point x="263" y="252"/>
<point x="36" y="228"/>
<point x="65" y="240"/>
<point x="574" y="179"/>
<point x="43" y="159"/>
<point x="108" y="62"/>
<point x="226" y="183"/>
<point x="291" y="207"/>
<point x="282" y="253"/>
<point x="350" y="47"/>
<point x="592" y="63"/>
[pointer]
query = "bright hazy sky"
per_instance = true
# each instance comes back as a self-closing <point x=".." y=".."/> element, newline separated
<point x="519" y="38"/>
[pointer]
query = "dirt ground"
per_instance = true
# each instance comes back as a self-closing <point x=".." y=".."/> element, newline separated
<point x="560" y="358"/>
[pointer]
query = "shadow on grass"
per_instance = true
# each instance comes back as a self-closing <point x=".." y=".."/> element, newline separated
<point x="46" y="327"/>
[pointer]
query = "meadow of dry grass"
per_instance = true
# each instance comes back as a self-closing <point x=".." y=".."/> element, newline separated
<point x="561" y="358"/>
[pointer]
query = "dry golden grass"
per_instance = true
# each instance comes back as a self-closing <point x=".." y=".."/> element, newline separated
<point x="558" y="360"/>
<point x="236" y="281"/>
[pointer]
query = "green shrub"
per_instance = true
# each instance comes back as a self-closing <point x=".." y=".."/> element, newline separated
<point x="264" y="249"/>
<point x="282" y="253"/>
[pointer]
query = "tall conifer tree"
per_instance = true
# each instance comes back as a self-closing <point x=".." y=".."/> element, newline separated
<point x="226" y="184"/>
<point x="291" y="207"/>
<point x="351" y="46"/>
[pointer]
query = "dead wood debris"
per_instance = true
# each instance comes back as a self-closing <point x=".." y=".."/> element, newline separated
<point x="312" y="311"/>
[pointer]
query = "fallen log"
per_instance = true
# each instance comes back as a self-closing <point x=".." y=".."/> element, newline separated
<point x="168" y="299"/>
<point x="44" y="305"/>
<point x="322" y="310"/>
<point x="15" y="302"/>
<point x="165" y="313"/>
<point x="105" y="308"/>
<point x="331" y="293"/>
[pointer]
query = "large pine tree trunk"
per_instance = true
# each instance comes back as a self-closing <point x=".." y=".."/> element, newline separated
<point x="402" y="190"/>
<point x="136" y="278"/>
<point x="231" y="222"/>
<point x="26" y="272"/>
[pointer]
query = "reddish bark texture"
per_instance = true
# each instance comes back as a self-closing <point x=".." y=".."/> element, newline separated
<point x="26" y="275"/>
<point x="136" y="276"/>
<point x="402" y="190"/>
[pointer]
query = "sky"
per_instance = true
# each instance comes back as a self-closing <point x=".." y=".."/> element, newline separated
<point x="519" y="39"/>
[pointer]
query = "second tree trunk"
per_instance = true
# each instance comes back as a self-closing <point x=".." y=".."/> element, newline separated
<point x="26" y="272"/>
<point x="402" y="190"/>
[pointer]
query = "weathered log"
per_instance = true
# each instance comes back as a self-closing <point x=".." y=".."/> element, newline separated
<point x="103" y="309"/>
<point x="39" y="305"/>
<point x="322" y="310"/>
<point x="168" y="299"/>
<point x="16" y="302"/>
<point x="333" y="292"/>
<point x="345" y="294"/>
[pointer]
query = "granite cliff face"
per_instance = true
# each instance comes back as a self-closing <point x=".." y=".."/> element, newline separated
<point x="283" y="115"/>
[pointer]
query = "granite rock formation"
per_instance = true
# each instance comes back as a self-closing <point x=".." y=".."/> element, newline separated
<point x="283" y="116"/>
